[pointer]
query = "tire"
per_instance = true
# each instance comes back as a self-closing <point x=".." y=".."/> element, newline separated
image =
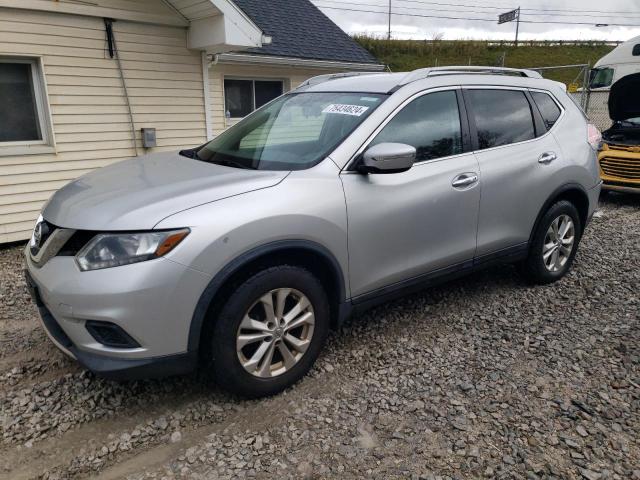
<point x="539" y="267"/>
<point x="227" y="357"/>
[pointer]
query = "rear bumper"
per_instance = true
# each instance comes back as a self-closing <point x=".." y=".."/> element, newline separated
<point x="594" y="197"/>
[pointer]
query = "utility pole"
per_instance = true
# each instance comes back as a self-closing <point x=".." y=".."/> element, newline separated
<point x="389" y="31"/>
<point x="517" y="26"/>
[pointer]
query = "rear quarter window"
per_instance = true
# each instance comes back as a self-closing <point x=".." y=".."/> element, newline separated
<point x="502" y="117"/>
<point x="548" y="108"/>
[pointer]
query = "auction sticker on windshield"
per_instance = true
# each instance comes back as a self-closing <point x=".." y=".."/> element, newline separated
<point x="340" y="109"/>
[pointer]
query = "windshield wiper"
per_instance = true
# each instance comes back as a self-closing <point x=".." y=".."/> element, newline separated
<point x="234" y="164"/>
<point x="189" y="153"/>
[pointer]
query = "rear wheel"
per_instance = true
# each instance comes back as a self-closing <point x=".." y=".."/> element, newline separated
<point x="554" y="245"/>
<point x="270" y="332"/>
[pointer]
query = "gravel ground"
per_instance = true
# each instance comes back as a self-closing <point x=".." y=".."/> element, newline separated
<point x="480" y="378"/>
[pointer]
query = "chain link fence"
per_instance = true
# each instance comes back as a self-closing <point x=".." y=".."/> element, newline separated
<point x="593" y="102"/>
<point x="597" y="108"/>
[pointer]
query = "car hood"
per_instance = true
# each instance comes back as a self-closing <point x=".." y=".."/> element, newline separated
<point x="136" y="194"/>
<point x="624" y="98"/>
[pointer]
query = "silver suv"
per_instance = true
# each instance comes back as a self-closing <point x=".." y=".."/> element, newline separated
<point x="241" y="254"/>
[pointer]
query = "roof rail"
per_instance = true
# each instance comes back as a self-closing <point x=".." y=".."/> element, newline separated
<point x="427" y="72"/>
<point x="333" y="76"/>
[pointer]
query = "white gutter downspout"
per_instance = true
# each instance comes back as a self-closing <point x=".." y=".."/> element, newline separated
<point x="208" y="113"/>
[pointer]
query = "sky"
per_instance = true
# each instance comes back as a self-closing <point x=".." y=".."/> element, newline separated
<point x="349" y="15"/>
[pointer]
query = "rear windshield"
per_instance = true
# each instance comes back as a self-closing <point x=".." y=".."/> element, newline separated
<point x="294" y="132"/>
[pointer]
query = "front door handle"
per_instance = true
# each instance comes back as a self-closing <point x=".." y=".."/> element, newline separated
<point x="465" y="180"/>
<point x="547" y="157"/>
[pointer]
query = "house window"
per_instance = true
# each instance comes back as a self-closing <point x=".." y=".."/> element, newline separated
<point x="243" y="96"/>
<point x="24" y="118"/>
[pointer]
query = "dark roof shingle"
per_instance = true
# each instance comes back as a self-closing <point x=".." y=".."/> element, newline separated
<point x="299" y="29"/>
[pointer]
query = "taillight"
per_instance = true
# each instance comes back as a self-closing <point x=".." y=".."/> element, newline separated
<point x="594" y="137"/>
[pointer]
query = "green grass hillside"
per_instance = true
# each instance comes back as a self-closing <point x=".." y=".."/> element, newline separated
<point x="404" y="55"/>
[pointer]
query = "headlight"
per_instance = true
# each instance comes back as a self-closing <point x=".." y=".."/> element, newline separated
<point x="108" y="250"/>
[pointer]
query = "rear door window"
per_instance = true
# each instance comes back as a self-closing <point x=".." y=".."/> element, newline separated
<point x="501" y="117"/>
<point x="549" y="109"/>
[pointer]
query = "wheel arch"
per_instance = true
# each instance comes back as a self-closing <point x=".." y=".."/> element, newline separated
<point x="305" y="253"/>
<point x="574" y="193"/>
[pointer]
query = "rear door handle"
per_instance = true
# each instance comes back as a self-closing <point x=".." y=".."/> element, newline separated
<point x="465" y="180"/>
<point x="547" y="157"/>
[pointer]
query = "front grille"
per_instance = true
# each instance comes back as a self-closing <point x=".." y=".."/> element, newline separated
<point x="79" y="239"/>
<point x="42" y="231"/>
<point x="621" y="167"/>
<point x="624" y="148"/>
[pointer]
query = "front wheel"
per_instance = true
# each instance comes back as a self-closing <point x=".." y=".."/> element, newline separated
<point x="270" y="331"/>
<point x="554" y="245"/>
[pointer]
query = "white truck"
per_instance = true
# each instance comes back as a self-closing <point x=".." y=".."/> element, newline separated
<point x="622" y="61"/>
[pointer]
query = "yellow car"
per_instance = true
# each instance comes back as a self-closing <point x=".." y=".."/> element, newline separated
<point x="619" y="155"/>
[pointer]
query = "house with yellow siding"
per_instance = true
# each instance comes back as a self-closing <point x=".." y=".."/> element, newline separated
<point x="87" y="83"/>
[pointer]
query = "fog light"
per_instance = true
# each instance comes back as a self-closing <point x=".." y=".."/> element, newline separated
<point x="110" y="335"/>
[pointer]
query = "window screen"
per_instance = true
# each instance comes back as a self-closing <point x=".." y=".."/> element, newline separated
<point x="502" y="117"/>
<point x="430" y="123"/>
<point x="18" y="108"/>
<point x="548" y="108"/>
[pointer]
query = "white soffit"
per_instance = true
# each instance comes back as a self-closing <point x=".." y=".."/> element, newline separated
<point x="217" y="25"/>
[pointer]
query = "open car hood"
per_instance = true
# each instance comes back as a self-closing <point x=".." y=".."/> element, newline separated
<point x="624" y="98"/>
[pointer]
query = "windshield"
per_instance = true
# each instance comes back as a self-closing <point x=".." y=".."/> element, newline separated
<point x="601" y="77"/>
<point x="294" y="132"/>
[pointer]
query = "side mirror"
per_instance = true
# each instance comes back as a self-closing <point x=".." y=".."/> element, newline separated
<point x="388" y="158"/>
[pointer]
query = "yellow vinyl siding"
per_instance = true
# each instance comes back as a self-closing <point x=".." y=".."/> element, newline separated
<point x="87" y="102"/>
<point x="147" y="11"/>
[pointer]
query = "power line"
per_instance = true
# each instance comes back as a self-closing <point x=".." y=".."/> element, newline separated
<point x="506" y="7"/>
<point x="431" y="9"/>
<point x="472" y="19"/>
<point x="546" y="12"/>
<point x="409" y="15"/>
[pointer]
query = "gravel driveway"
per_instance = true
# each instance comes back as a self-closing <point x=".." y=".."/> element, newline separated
<point x="481" y="378"/>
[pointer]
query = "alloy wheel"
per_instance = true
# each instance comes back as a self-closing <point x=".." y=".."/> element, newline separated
<point x="275" y="333"/>
<point x="558" y="243"/>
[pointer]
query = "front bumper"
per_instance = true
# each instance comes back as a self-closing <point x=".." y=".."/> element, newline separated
<point x="620" y="168"/>
<point x="614" y="187"/>
<point x="152" y="301"/>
